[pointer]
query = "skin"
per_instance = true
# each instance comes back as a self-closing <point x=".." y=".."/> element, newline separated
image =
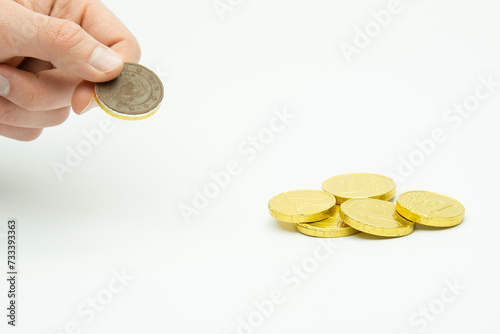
<point x="46" y="47"/>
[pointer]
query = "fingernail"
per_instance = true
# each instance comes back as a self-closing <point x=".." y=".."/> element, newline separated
<point x="4" y="86"/>
<point x="92" y="104"/>
<point x="105" y="60"/>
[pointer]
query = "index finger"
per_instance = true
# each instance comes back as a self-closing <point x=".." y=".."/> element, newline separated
<point x="102" y="24"/>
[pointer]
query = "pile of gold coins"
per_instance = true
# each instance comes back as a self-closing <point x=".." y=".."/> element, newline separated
<point x="359" y="202"/>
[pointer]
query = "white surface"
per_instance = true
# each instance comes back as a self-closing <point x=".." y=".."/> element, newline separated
<point x="119" y="209"/>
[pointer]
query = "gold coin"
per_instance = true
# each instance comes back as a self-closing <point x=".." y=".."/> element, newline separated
<point x="431" y="209"/>
<point x="360" y="185"/>
<point x="302" y="206"/>
<point x="375" y="216"/>
<point x="331" y="227"/>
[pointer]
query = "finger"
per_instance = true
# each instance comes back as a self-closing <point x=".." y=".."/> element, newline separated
<point x="100" y="22"/>
<point x="14" y="62"/>
<point x="62" y="42"/>
<point x="14" y="115"/>
<point x="83" y="98"/>
<point x="18" y="133"/>
<point x="45" y="90"/>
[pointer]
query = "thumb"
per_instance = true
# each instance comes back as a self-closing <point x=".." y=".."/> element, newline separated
<point x="65" y="44"/>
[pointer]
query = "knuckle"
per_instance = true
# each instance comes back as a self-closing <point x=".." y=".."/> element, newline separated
<point x="131" y="49"/>
<point x="65" y="34"/>
<point x="29" y="134"/>
<point x="31" y="101"/>
<point x="135" y="46"/>
<point x="32" y="98"/>
<point x="60" y="116"/>
<point x="7" y="114"/>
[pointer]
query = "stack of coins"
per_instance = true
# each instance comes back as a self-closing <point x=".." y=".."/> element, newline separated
<point x="359" y="202"/>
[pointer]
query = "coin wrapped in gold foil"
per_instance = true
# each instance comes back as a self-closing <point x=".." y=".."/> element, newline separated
<point x="331" y="227"/>
<point x="135" y="94"/>
<point x="431" y="209"/>
<point x="360" y="185"/>
<point x="375" y="216"/>
<point x="302" y="206"/>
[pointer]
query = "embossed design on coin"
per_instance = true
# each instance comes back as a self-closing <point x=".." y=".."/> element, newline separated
<point x="135" y="94"/>
<point x="375" y="216"/>
<point x="301" y="206"/>
<point x="331" y="227"/>
<point x="428" y="208"/>
<point x="360" y="185"/>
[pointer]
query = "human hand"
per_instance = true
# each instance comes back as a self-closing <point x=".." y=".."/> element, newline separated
<point x="51" y="53"/>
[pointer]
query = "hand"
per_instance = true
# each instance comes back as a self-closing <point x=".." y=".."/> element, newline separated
<point x="51" y="53"/>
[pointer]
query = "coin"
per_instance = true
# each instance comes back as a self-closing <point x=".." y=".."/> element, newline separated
<point x="331" y="227"/>
<point x="375" y="216"/>
<point x="135" y="94"/>
<point x="360" y="185"/>
<point x="431" y="209"/>
<point x="302" y="206"/>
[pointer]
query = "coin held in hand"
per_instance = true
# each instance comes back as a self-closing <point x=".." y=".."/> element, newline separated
<point x="134" y="95"/>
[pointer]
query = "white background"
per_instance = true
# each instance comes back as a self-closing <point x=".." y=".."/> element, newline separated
<point x="119" y="208"/>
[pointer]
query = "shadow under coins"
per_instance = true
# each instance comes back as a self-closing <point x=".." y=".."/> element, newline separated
<point x="284" y="226"/>
<point x="430" y="228"/>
